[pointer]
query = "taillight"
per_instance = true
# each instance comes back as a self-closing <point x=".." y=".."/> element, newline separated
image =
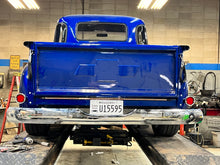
<point x="20" y="98"/>
<point x="190" y="100"/>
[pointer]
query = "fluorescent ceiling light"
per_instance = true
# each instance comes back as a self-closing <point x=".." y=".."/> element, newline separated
<point x="144" y="4"/>
<point x="31" y="4"/>
<point x="151" y="4"/>
<point x="158" y="4"/>
<point x="16" y="4"/>
<point x="24" y="4"/>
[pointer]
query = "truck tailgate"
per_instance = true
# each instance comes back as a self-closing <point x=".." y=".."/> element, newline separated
<point x="89" y="71"/>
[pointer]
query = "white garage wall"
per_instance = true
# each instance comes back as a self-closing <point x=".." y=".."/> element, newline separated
<point x="180" y="22"/>
<point x="191" y="22"/>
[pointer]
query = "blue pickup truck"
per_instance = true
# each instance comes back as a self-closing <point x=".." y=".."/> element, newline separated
<point x="100" y="71"/>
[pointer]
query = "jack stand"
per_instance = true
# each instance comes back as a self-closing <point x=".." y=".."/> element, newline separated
<point x="196" y="137"/>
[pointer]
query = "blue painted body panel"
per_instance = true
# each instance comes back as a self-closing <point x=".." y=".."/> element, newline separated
<point x="101" y="69"/>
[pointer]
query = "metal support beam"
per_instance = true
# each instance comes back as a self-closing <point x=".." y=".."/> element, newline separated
<point x="172" y="150"/>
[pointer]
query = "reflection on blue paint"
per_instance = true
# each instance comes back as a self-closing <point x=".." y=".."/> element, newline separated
<point x="167" y="80"/>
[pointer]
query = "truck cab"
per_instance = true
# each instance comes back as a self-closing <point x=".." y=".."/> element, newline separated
<point x="87" y="29"/>
<point x="100" y="70"/>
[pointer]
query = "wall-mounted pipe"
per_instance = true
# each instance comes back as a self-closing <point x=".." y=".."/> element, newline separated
<point x="83" y="6"/>
<point x="2" y="79"/>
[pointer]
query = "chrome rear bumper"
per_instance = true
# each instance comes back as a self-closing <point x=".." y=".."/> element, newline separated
<point x="77" y="116"/>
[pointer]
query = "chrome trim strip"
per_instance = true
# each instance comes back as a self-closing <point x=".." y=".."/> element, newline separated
<point x="100" y="98"/>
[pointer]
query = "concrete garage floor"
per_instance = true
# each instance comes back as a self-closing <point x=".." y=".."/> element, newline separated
<point x="215" y="151"/>
<point x="75" y="154"/>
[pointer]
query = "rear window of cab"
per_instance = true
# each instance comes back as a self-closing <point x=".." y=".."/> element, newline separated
<point x="95" y="31"/>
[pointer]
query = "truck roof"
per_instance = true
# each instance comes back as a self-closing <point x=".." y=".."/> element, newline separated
<point x="102" y="18"/>
<point x="72" y="20"/>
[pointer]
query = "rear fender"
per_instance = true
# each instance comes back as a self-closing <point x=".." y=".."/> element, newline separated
<point x="183" y="93"/>
<point x="183" y="87"/>
<point x="25" y="87"/>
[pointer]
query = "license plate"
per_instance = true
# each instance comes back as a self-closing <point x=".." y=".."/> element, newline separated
<point x="106" y="107"/>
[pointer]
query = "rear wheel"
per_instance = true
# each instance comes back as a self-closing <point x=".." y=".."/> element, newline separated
<point x="165" y="130"/>
<point x="37" y="129"/>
